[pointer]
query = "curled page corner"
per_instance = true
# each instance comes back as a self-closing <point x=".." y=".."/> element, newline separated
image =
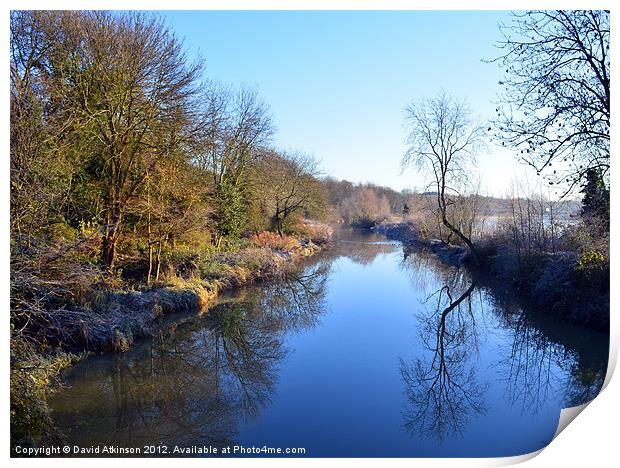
<point x="515" y="460"/>
<point x="567" y="415"/>
<point x="612" y="359"/>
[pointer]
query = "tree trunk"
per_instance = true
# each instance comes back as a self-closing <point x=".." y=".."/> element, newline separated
<point x="149" y="231"/>
<point x="443" y="208"/>
<point x="158" y="262"/>
<point x="110" y="237"/>
<point x="276" y="223"/>
<point x="150" y="273"/>
<point x="108" y="254"/>
<point x="463" y="237"/>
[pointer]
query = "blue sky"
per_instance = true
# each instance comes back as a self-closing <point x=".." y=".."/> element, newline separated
<point x="337" y="81"/>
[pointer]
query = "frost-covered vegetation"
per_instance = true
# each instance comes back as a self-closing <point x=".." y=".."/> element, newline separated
<point x="556" y="253"/>
<point x="139" y="187"/>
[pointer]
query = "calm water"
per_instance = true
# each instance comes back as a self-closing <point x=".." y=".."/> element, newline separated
<point x="368" y="350"/>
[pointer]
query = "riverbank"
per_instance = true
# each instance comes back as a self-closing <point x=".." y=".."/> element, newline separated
<point x="122" y="317"/>
<point x="66" y="313"/>
<point x="571" y="287"/>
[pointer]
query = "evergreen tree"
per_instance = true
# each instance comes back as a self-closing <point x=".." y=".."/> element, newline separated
<point x="595" y="201"/>
<point x="230" y="212"/>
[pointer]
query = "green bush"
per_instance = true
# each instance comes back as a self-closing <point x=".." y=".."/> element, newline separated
<point x="31" y="375"/>
<point x="230" y="211"/>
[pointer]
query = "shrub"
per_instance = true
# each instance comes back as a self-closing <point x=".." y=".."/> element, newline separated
<point x="274" y="241"/>
<point x="318" y="233"/>
<point x="30" y="377"/>
<point x="593" y="270"/>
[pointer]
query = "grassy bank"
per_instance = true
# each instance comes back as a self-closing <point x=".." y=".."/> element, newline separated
<point x="62" y="309"/>
<point x="572" y="285"/>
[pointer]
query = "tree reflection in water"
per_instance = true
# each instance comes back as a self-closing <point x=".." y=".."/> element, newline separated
<point x="442" y="392"/>
<point x="197" y="379"/>
<point x="530" y="363"/>
<point x="297" y="302"/>
<point x="543" y="357"/>
<point x="533" y="359"/>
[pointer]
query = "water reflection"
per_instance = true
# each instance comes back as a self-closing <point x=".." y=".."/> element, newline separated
<point x="531" y="376"/>
<point x="443" y="393"/>
<point x="439" y="355"/>
<point x="297" y="302"/>
<point x="360" y="246"/>
<point x="586" y="383"/>
<point x="197" y="379"/>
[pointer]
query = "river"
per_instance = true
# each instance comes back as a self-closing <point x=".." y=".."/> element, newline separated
<point x="367" y="350"/>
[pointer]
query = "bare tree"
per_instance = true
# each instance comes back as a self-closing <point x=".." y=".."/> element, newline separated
<point x="365" y="208"/>
<point x="289" y="185"/>
<point x="555" y="100"/>
<point x="532" y="223"/>
<point x="40" y="167"/>
<point x="443" y="140"/>
<point x="233" y="127"/>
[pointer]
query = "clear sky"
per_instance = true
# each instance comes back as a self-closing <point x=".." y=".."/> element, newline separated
<point x="337" y="81"/>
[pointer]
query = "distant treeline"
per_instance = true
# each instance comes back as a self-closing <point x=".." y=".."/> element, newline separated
<point x="362" y="205"/>
<point x="368" y="204"/>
